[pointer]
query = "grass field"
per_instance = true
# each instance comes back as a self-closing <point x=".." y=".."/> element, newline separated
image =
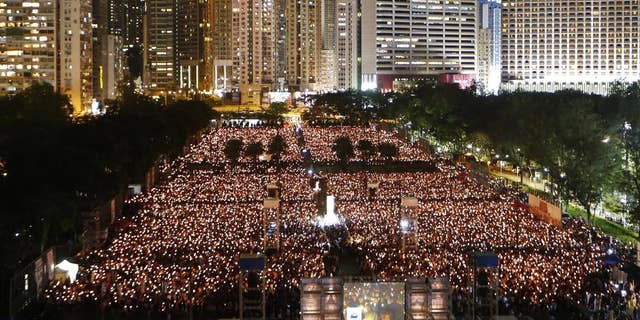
<point x="610" y="228"/>
<point x="607" y="227"/>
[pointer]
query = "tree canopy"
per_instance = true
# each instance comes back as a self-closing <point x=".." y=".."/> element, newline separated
<point x="54" y="166"/>
<point x="343" y="148"/>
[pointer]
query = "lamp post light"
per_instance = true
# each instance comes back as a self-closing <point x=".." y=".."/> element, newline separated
<point x="546" y="170"/>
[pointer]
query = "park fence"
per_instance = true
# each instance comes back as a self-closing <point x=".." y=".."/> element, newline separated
<point x="27" y="284"/>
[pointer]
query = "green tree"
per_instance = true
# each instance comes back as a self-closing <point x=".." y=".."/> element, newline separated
<point x="185" y="117"/>
<point x="440" y="112"/>
<point x="355" y="106"/>
<point x="276" y="110"/>
<point x="233" y="149"/>
<point x="277" y="146"/>
<point x="366" y="148"/>
<point x="254" y="149"/>
<point x="388" y="150"/>
<point x="580" y="160"/>
<point x="343" y="148"/>
<point x="628" y="124"/>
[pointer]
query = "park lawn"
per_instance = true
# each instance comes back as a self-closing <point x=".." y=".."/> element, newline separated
<point x="607" y="227"/>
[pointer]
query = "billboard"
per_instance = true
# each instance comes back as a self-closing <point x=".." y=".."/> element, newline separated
<point x="373" y="300"/>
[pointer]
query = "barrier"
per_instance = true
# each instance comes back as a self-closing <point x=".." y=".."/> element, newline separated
<point x="544" y="210"/>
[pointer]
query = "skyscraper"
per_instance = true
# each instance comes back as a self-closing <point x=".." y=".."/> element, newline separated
<point x="75" y="46"/>
<point x="254" y="36"/>
<point x="577" y="44"/>
<point x="219" y="44"/>
<point x="159" y="46"/>
<point x="346" y="67"/>
<point x="190" y="42"/>
<point x="254" y="43"/>
<point x="281" y="44"/>
<point x="488" y="49"/>
<point x="126" y="20"/>
<point x="303" y="44"/>
<point x="108" y="50"/>
<point x="27" y="44"/>
<point x="327" y="49"/>
<point x="416" y="39"/>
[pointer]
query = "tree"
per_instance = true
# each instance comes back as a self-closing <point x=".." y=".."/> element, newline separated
<point x="343" y="148"/>
<point x="578" y="156"/>
<point x="276" y="110"/>
<point x="388" y="150"/>
<point x="38" y="104"/>
<point x="277" y="146"/>
<point x="354" y="106"/>
<point x="628" y="126"/>
<point x="254" y="149"/>
<point x="233" y="149"/>
<point x="440" y="112"/>
<point x="58" y="166"/>
<point x="185" y="117"/>
<point x="366" y="148"/>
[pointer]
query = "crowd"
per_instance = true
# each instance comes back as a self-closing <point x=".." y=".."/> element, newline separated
<point x="182" y="247"/>
<point x="320" y="142"/>
<point x="210" y="149"/>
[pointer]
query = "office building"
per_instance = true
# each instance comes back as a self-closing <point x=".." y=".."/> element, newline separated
<point x="488" y="49"/>
<point x="579" y="44"/>
<point x="404" y="41"/>
<point x="159" y="58"/>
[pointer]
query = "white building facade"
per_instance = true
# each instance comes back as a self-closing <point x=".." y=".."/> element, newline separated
<point x="579" y="44"/>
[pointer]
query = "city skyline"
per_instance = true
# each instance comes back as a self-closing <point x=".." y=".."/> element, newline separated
<point x="257" y="46"/>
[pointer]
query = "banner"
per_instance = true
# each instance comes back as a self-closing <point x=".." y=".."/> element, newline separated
<point x="545" y="210"/>
<point x="409" y="202"/>
<point x="271" y="203"/>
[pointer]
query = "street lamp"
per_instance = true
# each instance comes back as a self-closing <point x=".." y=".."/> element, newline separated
<point x="499" y="162"/>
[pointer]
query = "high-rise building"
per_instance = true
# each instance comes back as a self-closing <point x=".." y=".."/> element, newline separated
<point x="281" y="45"/>
<point x="303" y="44"/>
<point x="75" y="53"/>
<point x="327" y="50"/>
<point x="126" y="20"/>
<point x="27" y="44"/>
<point x="578" y="44"/>
<point x="254" y="34"/>
<point x="346" y="48"/>
<point x="50" y="41"/>
<point x="404" y="40"/>
<point x="219" y="45"/>
<point x="160" y="58"/>
<point x="488" y="50"/>
<point x="190" y="42"/>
